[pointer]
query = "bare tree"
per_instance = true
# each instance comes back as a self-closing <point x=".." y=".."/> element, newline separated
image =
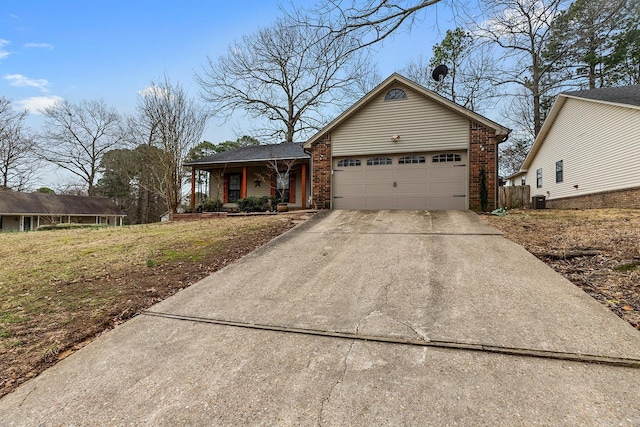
<point x="285" y="74"/>
<point x="71" y="188"/>
<point x="522" y="29"/>
<point x="367" y="23"/>
<point x="18" y="162"/>
<point x="174" y="123"/>
<point x="76" y="136"/>
<point x="419" y="70"/>
<point x="469" y="80"/>
<point x="278" y="175"/>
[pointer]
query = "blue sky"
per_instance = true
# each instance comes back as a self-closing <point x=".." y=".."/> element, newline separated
<point x="112" y="49"/>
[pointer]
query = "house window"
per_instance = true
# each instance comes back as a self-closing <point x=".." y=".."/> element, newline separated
<point x="348" y="162"/>
<point x="395" y="94"/>
<point x="407" y="160"/>
<point x="559" y="171"/>
<point x="523" y="180"/>
<point x="539" y="178"/>
<point x="233" y="192"/>
<point x="446" y="157"/>
<point x="377" y="161"/>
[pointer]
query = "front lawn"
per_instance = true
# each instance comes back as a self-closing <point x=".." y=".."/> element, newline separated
<point x="59" y="289"/>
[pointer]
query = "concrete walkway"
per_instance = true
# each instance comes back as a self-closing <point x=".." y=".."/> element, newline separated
<point x="357" y="318"/>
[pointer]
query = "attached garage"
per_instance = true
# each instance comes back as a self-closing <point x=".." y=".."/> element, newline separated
<point x="405" y="181"/>
<point x="403" y="146"/>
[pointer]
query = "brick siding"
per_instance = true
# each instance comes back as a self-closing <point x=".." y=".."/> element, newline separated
<point x="482" y="152"/>
<point x="321" y="173"/>
<point x="628" y="198"/>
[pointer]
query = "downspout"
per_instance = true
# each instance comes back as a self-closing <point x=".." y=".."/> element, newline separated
<point x="310" y="175"/>
<point x="497" y="185"/>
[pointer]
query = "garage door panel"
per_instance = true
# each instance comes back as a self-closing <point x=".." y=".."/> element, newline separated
<point x="412" y="188"/>
<point x="445" y="203"/>
<point x="372" y="190"/>
<point x="442" y="186"/>
<point x="348" y="203"/>
<point x="429" y="185"/>
<point x="386" y="174"/>
<point x="411" y="172"/>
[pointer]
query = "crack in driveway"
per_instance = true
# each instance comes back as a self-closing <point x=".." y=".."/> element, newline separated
<point x="338" y="381"/>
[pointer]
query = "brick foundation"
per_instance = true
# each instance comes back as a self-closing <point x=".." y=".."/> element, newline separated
<point x="628" y="198"/>
<point x="482" y="152"/>
<point x="321" y="173"/>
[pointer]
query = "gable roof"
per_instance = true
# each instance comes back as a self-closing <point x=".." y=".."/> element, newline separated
<point x="396" y="78"/>
<point x="621" y="96"/>
<point x="255" y="153"/>
<point x="52" y="204"/>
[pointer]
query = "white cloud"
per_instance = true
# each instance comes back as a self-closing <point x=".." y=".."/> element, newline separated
<point x="4" y="53"/>
<point x="36" y="104"/>
<point x="39" y="45"/>
<point x="20" y="80"/>
<point x="155" y="91"/>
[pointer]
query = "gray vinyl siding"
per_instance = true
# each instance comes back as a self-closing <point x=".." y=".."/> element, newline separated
<point x="423" y="125"/>
<point x="599" y="145"/>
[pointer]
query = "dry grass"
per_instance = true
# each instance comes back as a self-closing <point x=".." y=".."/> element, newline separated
<point x="60" y="288"/>
<point x="611" y="237"/>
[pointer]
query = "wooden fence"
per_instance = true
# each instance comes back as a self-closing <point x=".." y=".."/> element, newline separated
<point x="517" y="196"/>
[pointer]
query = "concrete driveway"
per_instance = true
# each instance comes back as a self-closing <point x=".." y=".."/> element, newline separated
<point x="357" y="318"/>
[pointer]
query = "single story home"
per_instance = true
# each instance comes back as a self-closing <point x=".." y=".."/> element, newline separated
<point x="28" y="211"/>
<point x="587" y="154"/>
<point x="401" y="146"/>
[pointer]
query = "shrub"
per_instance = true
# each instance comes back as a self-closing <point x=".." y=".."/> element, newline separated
<point x="257" y="204"/>
<point x="69" y="226"/>
<point x="484" y="193"/>
<point x="210" y="205"/>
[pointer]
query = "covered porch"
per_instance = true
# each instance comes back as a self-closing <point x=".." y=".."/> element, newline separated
<point x="280" y="170"/>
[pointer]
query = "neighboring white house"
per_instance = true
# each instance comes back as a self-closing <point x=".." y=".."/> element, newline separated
<point x="587" y="154"/>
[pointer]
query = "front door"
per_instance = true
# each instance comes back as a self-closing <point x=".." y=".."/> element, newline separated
<point x="235" y="181"/>
<point x="26" y="223"/>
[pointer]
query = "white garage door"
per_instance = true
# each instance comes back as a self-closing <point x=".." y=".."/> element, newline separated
<point x="405" y="181"/>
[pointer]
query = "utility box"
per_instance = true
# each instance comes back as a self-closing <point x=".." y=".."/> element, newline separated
<point x="538" y="202"/>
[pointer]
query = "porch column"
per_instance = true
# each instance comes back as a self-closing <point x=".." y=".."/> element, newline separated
<point x="243" y="185"/>
<point x="304" y="186"/>
<point x="21" y="225"/>
<point x="192" y="202"/>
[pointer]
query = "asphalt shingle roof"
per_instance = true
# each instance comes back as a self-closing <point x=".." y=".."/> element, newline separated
<point x="629" y="95"/>
<point x="254" y="153"/>
<point x="52" y="204"/>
